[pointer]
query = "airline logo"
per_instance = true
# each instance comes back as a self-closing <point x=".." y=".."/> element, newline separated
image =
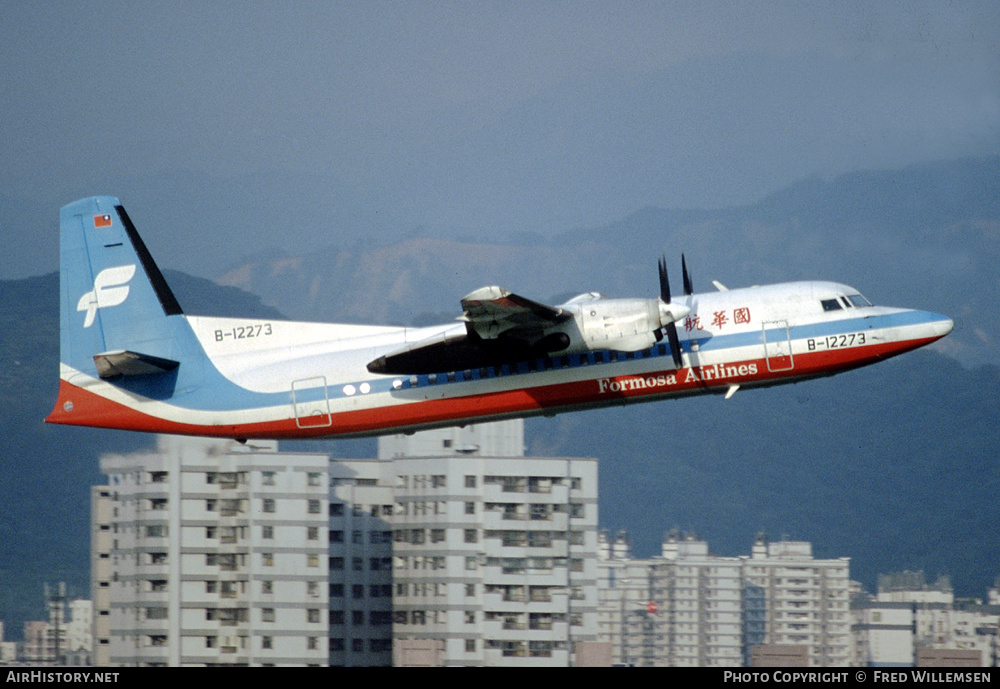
<point x="110" y="289"/>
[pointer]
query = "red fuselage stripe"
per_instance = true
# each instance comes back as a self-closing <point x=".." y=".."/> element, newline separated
<point x="80" y="407"/>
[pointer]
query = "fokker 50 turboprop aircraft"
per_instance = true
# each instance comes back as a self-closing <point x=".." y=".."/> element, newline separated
<point x="131" y="359"/>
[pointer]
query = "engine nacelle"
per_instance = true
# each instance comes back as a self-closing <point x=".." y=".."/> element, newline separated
<point x="624" y="324"/>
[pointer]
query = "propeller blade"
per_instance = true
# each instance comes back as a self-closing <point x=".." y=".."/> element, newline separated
<point x="669" y="328"/>
<point x="675" y="344"/>
<point x="664" y="281"/>
<point x="688" y="286"/>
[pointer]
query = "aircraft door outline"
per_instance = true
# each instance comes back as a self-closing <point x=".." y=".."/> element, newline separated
<point x="311" y="413"/>
<point x="778" y="350"/>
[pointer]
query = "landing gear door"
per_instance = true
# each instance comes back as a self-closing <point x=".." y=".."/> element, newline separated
<point x="311" y="403"/>
<point x="777" y="346"/>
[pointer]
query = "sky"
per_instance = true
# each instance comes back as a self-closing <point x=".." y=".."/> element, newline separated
<point x="374" y="120"/>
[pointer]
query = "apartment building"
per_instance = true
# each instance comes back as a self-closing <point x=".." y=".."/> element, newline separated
<point x="910" y="618"/>
<point x="791" y="598"/>
<point x="208" y="552"/>
<point x="690" y="608"/>
<point x="494" y="559"/>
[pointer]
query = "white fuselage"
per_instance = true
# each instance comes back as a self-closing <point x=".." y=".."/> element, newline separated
<point x="271" y="378"/>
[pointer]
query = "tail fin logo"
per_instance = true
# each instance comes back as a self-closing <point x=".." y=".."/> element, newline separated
<point x="110" y="289"/>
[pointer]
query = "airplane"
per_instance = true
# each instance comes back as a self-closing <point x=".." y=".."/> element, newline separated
<point x="130" y="358"/>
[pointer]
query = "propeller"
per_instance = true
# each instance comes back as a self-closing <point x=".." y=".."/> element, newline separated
<point x="669" y="313"/>
<point x="688" y="287"/>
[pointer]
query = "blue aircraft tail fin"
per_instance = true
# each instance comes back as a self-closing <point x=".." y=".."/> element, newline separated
<point x="118" y="316"/>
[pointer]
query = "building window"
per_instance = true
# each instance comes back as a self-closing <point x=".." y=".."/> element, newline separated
<point x="315" y="479"/>
<point x="314" y="507"/>
<point x="471" y="536"/>
<point x="267" y="478"/>
<point x="470" y="508"/>
<point x="470" y="481"/>
<point x="336" y="563"/>
<point x="266" y="643"/>
<point x="470" y="645"/>
<point x="312" y="615"/>
<point x="267" y="615"/>
<point x="269" y="504"/>
<point x="268" y="532"/>
<point x="312" y="560"/>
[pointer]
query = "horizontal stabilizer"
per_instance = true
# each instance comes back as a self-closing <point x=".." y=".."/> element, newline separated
<point x="124" y="363"/>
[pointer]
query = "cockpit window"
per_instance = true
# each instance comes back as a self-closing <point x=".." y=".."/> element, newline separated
<point x="858" y="300"/>
<point x="831" y="305"/>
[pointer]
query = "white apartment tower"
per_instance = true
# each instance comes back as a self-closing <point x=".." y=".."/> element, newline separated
<point x="682" y="609"/>
<point x="791" y="598"/>
<point x="690" y="608"/>
<point x="494" y="560"/>
<point x="208" y="552"/>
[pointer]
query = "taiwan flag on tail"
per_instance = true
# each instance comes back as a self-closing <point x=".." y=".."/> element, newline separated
<point x="102" y="221"/>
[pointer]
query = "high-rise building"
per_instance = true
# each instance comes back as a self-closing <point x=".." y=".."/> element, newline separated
<point x="360" y="564"/>
<point x="65" y="638"/>
<point x="494" y="560"/>
<point x="910" y="618"/>
<point x="208" y="552"/>
<point x="690" y="608"/>
<point x="680" y="609"/>
<point x="801" y="600"/>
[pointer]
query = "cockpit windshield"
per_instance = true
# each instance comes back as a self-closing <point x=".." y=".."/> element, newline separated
<point x="851" y="301"/>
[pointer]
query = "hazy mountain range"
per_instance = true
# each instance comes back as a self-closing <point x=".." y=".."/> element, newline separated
<point x="924" y="237"/>
<point x="894" y="466"/>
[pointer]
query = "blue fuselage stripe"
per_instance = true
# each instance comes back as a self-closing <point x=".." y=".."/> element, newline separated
<point x="218" y="393"/>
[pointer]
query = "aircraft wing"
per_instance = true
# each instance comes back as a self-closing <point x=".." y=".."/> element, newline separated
<point x="492" y="311"/>
<point x="500" y="327"/>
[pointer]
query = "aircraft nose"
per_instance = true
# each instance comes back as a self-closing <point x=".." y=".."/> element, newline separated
<point x="943" y="325"/>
